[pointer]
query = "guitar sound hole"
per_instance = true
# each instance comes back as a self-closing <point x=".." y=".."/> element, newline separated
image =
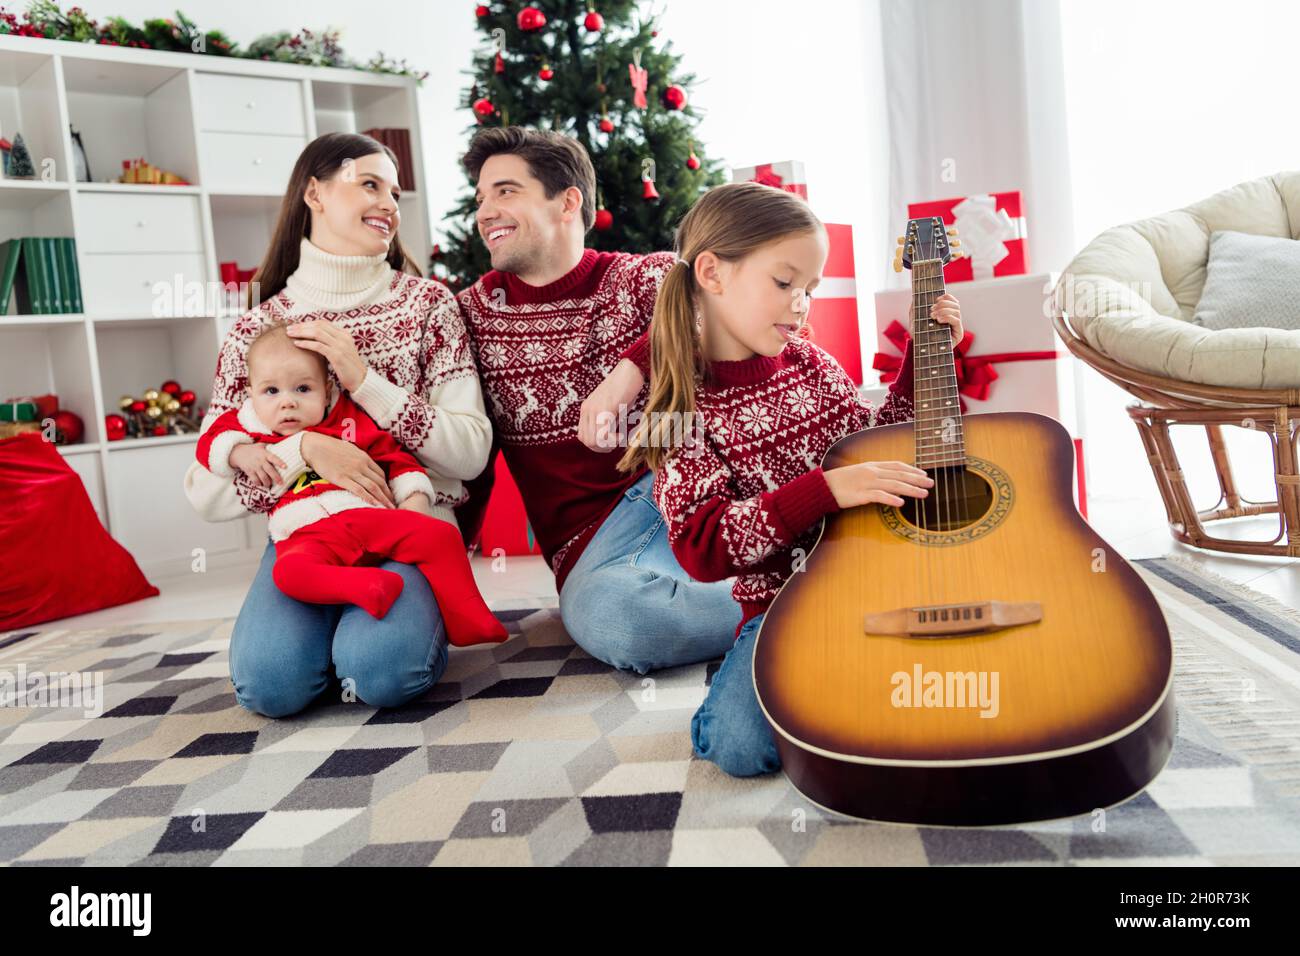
<point x="957" y="498"/>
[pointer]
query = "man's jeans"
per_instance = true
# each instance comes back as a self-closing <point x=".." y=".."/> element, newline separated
<point x="629" y="603"/>
<point x="281" y="648"/>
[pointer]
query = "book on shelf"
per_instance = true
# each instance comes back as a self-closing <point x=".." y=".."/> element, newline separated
<point x="41" y="272"/>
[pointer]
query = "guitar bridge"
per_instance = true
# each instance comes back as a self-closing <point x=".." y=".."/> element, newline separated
<point x="945" y="620"/>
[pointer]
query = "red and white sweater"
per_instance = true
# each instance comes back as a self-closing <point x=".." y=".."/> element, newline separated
<point x="421" y="385"/>
<point x="309" y="497"/>
<point x="541" y="350"/>
<point x="753" y="489"/>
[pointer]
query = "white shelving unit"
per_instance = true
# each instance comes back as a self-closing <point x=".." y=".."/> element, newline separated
<point x="231" y="127"/>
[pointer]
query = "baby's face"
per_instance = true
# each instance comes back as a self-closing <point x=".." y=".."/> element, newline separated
<point x="287" y="387"/>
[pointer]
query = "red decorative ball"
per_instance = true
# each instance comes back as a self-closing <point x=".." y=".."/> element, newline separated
<point x="594" y="22"/>
<point x="170" y="387"/>
<point x="481" y="11"/>
<point x="484" y="107"/>
<point x="160" y="429"/>
<point x="674" y="97"/>
<point x="606" y="125"/>
<point x="139" y="405"/>
<point x="545" y="73"/>
<point x="115" y="427"/>
<point x="69" y="427"/>
<point x="186" y="398"/>
<point x="604" y="219"/>
<point x="693" y="162"/>
<point x="530" y="18"/>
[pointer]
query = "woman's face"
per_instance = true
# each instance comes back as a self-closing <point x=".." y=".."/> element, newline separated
<point x="758" y="304"/>
<point x="355" y="212"/>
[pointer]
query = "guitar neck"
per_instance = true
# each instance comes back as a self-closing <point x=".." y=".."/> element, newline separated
<point x="940" y="440"/>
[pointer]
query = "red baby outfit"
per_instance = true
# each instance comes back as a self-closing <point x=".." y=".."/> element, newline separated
<point x="323" y="531"/>
<point x="754" y="490"/>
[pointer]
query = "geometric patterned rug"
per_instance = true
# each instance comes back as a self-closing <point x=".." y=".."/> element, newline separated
<point x="532" y="753"/>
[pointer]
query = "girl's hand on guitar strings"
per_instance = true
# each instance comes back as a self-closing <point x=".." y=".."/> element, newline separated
<point x="880" y="482"/>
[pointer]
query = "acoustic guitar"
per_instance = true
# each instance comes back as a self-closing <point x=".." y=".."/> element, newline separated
<point x="976" y="657"/>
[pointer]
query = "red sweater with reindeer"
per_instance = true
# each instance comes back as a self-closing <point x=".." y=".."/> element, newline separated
<point x="541" y="350"/>
<point x="752" y="490"/>
<point x="308" y="498"/>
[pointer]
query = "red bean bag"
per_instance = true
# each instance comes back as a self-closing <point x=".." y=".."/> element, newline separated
<point x="56" y="559"/>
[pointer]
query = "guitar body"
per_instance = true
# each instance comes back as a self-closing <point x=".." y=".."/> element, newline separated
<point x="874" y="725"/>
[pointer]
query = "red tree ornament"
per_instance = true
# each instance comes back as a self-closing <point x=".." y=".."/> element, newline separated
<point x="545" y="73"/>
<point x="69" y="427"/>
<point x="483" y="108"/>
<point x="604" y="220"/>
<point x="530" y="18"/>
<point x="674" y="97"/>
<point x="606" y="125"/>
<point x="170" y="387"/>
<point x="594" y="22"/>
<point x="114" y="427"/>
<point x="693" y="161"/>
<point x="499" y="65"/>
<point x="481" y="11"/>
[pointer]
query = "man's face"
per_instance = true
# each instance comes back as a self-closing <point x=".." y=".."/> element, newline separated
<point x="516" y="221"/>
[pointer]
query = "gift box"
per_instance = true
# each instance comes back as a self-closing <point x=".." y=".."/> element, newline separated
<point x="788" y="175"/>
<point x="1009" y="359"/>
<point x="505" y="525"/>
<point x="991" y="228"/>
<point x="28" y="408"/>
<point x="833" y="318"/>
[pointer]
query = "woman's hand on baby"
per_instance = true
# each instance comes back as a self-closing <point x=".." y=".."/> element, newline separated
<point x="879" y="482"/>
<point x="344" y="464"/>
<point x="336" y="344"/>
<point x="257" y="461"/>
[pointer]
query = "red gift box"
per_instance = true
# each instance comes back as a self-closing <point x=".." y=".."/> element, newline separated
<point x="505" y="525"/>
<point x="991" y="228"/>
<point x="833" y="319"/>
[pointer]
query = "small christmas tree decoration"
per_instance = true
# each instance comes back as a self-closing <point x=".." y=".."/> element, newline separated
<point x="593" y="22"/>
<point x="640" y="80"/>
<point x="692" y="161"/>
<point x="20" y="160"/>
<point x="604" y="220"/>
<point x="481" y="11"/>
<point x="545" y="73"/>
<point x="530" y="19"/>
<point x="483" y="108"/>
<point x="648" y="191"/>
<point x="675" y="98"/>
<point x="606" y="124"/>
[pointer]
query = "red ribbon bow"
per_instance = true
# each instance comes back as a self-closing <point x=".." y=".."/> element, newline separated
<point x="975" y="373"/>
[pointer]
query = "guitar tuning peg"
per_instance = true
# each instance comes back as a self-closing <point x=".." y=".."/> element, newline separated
<point x="952" y="231"/>
<point x="955" y="243"/>
<point x="900" y="240"/>
<point x="898" y="265"/>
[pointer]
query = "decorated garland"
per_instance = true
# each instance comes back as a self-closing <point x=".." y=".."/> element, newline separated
<point x="44" y="19"/>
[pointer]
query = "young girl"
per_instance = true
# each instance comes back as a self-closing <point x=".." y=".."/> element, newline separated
<point x="752" y="406"/>
<point x="396" y="342"/>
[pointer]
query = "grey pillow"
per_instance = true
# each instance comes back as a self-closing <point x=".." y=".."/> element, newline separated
<point x="1250" y="281"/>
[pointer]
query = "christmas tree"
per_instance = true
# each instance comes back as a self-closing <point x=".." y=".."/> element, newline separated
<point x="20" y="160"/>
<point x="597" y="71"/>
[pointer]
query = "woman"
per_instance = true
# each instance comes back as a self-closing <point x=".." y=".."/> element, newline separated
<point x="396" y="342"/>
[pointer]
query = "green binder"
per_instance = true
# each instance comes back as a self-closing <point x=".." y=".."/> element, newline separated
<point x="69" y="247"/>
<point x="10" y="253"/>
<point x="58" y="291"/>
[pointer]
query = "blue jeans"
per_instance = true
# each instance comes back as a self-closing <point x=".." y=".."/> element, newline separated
<point x="282" y="648"/>
<point x="628" y="602"/>
<point x="729" y="728"/>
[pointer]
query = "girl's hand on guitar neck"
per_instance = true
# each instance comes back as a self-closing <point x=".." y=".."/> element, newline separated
<point x="947" y="310"/>
<point x="880" y="482"/>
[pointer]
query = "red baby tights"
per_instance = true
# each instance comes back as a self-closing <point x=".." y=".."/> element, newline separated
<point x="317" y="564"/>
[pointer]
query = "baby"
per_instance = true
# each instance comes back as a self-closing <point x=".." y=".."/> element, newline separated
<point x="322" y="531"/>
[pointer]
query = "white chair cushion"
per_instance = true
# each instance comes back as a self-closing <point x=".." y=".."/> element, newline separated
<point x="1132" y="292"/>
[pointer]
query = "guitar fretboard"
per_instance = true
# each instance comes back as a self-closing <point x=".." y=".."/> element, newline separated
<point x="938" y="426"/>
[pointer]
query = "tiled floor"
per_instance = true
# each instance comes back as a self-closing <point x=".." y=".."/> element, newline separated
<point x="1123" y="506"/>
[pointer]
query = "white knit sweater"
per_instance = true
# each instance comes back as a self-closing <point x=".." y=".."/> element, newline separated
<point x="409" y="331"/>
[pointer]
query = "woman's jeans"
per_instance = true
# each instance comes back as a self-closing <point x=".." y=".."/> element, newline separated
<point x="628" y="602"/>
<point x="281" y="649"/>
<point x="729" y="728"/>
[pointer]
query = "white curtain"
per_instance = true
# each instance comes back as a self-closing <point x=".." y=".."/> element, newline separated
<point x="976" y="98"/>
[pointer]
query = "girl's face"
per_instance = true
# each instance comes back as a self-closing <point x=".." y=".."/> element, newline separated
<point x="355" y="212"/>
<point x="757" y="304"/>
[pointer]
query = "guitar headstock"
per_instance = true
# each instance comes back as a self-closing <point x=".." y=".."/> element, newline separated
<point x="926" y="239"/>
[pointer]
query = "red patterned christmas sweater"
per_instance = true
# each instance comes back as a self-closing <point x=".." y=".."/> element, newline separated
<point x="752" y="490"/>
<point x="541" y="350"/>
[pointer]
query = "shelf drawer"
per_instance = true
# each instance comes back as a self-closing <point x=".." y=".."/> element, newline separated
<point x="249" y="104"/>
<point x="125" y="284"/>
<point x="248" y="163"/>
<point x="116" y="222"/>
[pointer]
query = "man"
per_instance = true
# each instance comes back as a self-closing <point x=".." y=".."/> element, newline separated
<point x="559" y="334"/>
